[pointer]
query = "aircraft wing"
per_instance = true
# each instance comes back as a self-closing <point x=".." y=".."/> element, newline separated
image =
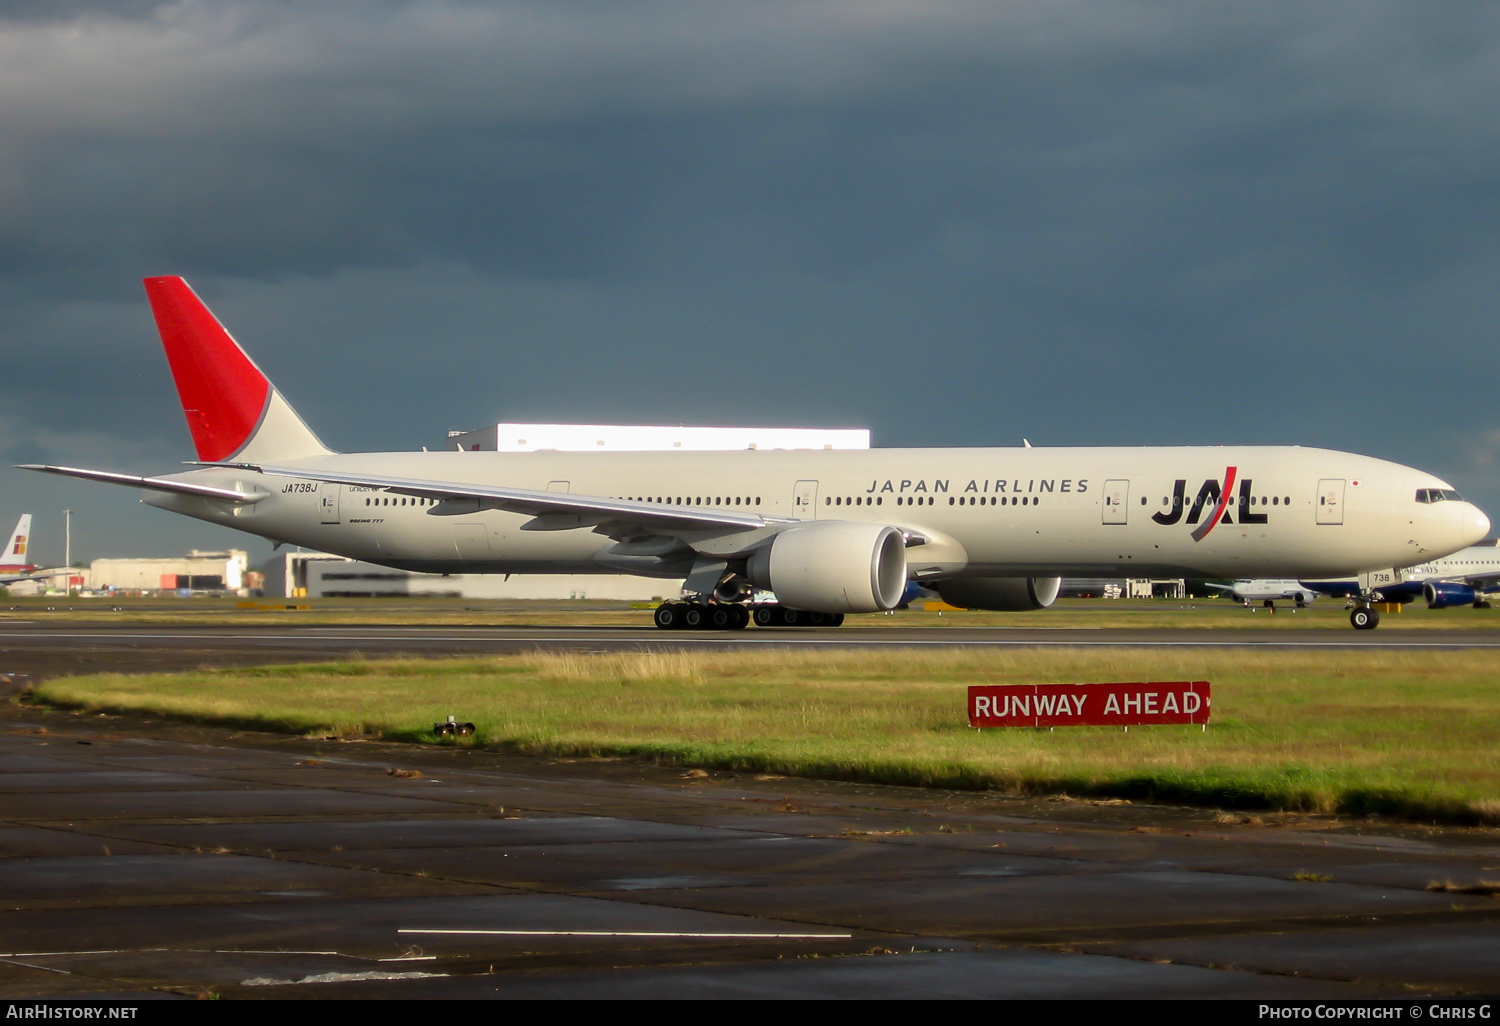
<point x="152" y="484"/>
<point x="40" y="575"/>
<point x="553" y="511"/>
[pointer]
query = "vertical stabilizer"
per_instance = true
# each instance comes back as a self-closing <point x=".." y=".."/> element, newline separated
<point x="232" y="409"/>
<point x="14" y="556"/>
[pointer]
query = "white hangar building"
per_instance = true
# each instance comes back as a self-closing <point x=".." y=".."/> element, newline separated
<point x="641" y="438"/>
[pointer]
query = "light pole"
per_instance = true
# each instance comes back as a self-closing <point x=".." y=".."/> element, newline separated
<point x="67" y="537"/>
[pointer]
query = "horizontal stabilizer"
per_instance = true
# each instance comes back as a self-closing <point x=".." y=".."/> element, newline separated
<point x="152" y="484"/>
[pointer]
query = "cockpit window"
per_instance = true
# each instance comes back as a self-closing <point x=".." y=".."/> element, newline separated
<point x="1438" y="495"/>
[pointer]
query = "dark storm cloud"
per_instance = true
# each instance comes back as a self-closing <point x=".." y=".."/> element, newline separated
<point x="1271" y="222"/>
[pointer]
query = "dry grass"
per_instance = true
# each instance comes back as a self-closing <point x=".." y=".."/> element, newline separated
<point x="1488" y="888"/>
<point x="1377" y="731"/>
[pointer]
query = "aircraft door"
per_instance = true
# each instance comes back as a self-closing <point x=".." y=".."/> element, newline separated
<point x="328" y="501"/>
<point x="1331" y="500"/>
<point x="1116" y="507"/>
<point x="559" y="486"/>
<point x="805" y="500"/>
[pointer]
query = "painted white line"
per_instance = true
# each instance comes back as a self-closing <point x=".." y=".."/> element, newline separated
<point x="637" y="933"/>
<point x="44" y="968"/>
<point x="185" y="951"/>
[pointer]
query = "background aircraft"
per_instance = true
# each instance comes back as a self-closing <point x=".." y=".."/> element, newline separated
<point x="13" y="563"/>
<point x="1267" y="592"/>
<point x="1462" y="579"/>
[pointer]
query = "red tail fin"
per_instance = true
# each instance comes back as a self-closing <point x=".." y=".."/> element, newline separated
<point x="224" y="395"/>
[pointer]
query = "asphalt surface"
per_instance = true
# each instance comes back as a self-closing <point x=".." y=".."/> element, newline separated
<point x="164" y="860"/>
<point x="152" y="859"/>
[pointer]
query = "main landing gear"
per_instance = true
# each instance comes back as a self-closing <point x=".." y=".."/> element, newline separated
<point x="719" y="616"/>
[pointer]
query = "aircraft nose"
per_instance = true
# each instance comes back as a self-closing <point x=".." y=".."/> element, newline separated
<point x="1476" y="525"/>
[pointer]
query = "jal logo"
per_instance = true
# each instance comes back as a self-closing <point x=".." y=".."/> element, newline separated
<point x="1211" y="506"/>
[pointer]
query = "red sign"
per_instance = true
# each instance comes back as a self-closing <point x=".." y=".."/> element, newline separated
<point x="1088" y="705"/>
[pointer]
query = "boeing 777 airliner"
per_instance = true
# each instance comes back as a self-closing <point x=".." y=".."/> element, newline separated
<point x="828" y="532"/>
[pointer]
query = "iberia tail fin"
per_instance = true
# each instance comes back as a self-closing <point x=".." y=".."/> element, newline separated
<point x="232" y="409"/>
<point x="15" y="549"/>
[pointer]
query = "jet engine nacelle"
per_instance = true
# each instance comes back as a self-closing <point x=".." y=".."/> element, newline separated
<point x="1004" y="594"/>
<point x="833" y="566"/>
<point x="1442" y="594"/>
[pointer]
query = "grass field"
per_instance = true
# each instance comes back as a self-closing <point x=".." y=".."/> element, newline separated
<point x="1328" y="614"/>
<point x="1412" y="734"/>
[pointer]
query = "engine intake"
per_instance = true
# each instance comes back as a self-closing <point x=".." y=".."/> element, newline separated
<point x="1443" y="594"/>
<point x="1002" y="594"/>
<point x="833" y="566"/>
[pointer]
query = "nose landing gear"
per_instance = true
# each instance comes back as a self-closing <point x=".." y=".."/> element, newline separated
<point x="1364" y="618"/>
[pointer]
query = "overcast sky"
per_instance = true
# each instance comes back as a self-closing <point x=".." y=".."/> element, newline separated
<point x="1077" y="221"/>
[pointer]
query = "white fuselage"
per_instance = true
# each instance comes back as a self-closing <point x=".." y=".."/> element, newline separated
<point x="1474" y="561"/>
<point x="1291" y="512"/>
<point x="1262" y="590"/>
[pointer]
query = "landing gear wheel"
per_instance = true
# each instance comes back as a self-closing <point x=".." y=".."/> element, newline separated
<point x="718" y="618"/>
<point x="792" y="617"/>
<point x="739" y="618"/>
<point x="692" y="617"/>
<point x="765" y="616"/>
<point x="837" y="620"/>
<point x="818" y="619"/>
<point x="668" y="616"/>
<point x="1482" y="604"/>
<point x="1364" y="618"/>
